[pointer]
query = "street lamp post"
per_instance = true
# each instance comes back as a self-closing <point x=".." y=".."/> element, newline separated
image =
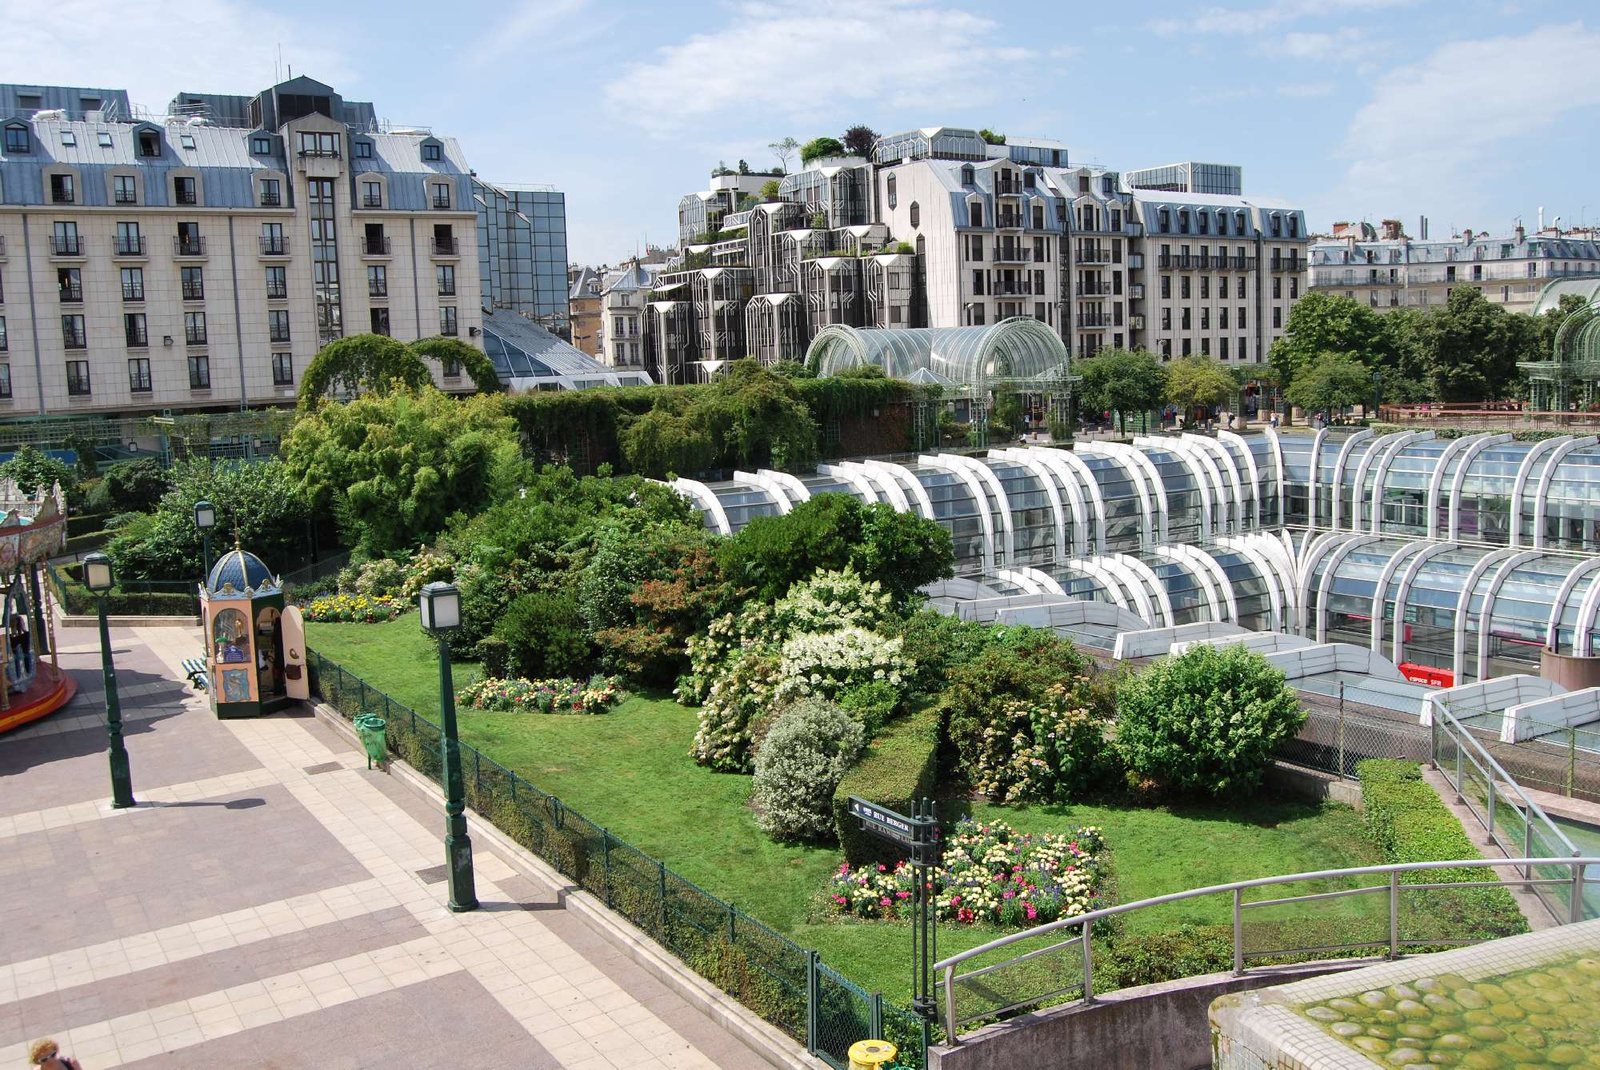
<point x="97" y="577"/>
<point x="441" y="612"/>
<point x="205" y="518"/>
<point x="1377" y="391"/>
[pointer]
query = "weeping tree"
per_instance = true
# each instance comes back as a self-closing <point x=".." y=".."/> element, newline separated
<point x="376" y="363"/>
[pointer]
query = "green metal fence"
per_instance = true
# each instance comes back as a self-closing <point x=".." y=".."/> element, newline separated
<point x="139" y="598"/>
<point x="786" y="984"/>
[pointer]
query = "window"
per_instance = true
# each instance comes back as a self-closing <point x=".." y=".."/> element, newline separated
<point x="194" y="286"/>
<point x="372" y="194"/>
<point x="916" y="214"/>
<point x="377" y="281"/>
<point x="889" y="185"/>
<point x="1222" y="343"/>
<point x="1222" y="286"/>
<point x="1277" y="287"/>
<point x="125" y="189"/>
<point x="283" y="369"/>
<point x="183" y="191"/>
<point x="977" y="282"/>
<point x="69" y="282"/>
<point x="1028" y="183"/>
<point x="447" y="279"/>
<point x="1277" y="226"/>
<point x="447" y="320"/>
<point x="139" y="375"/>
<point x="1166" y="319"/>
<point x="1294" y="287"/>
<point x="68" y="138"/>
<point x="188" y="241"/>
<point x="199" y="373"/>
<point x="1187" y="321"/>
<point x="129" y="243"/>
<point x="975" y="213"/>
<point x="1205" y="317"/>
<point x="361" y="149"/>
<point x="149" y="143"/>
<point x="194" y="328"/>
<point x="271" y="195"/>
<point x="1277" y="316"/>
<point x="1166" y="287"/>
<point x="72" y="332"/>
<point x="1205" y="287"/>
<point x="5" y="343"/>
<point x="1205" y="347"/>
<point x="272" y="243"/>
<point x="261" y="146"/>
<point x="315" y="144"/>
<point x="380" y="320"/>
<point x="133" y="284"/>
<point x="968" y="176"/>
<point x="430" y="152"/>
<point x="104" y="139"/>
<point x="16" y="138"/>
<point x="441" y="195"/>
<point x="1294" y="226"/>
<point x="278" y="324"/>
<point x="134" y="332"/>
<point x="451" y="369"/>
<point x="1242" y="325"/>
<point x="1222" y="318"/>
<point x="1038" y="217"/>
<point x="78" y="378"/>
<point x="277" y="283"/>
<point x="1183" y="287"/>
<point x="5" y="379"/>
<point x="61" y="189"/>
<point x="976" y="240"/>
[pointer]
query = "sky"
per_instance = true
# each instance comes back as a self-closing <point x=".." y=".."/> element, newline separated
<point x="1472" y="112"/>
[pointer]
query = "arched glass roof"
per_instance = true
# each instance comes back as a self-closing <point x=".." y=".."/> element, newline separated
<point x="1015" y="350"/>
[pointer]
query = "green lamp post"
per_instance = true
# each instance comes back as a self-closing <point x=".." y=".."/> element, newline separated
<point x="441" y="612"/>
<point x="98" y="578"/>
<point x="205" y="518"/>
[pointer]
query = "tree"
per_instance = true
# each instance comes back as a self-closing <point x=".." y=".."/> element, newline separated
<point x="393" y="467"/>
<point x="859" y="140"/>
<point x="1198" y="380"/>
<point x="1322" y="323"/>
<point x="1548" y="324"/>
<point x="771" y="190"/>
<point x="1332" y="383"/>
<point x="744" y="167"/>
<point x="445" y="351"/>
<point x="1205" y="722"/>
<point x="662" y="442"/>
<point x="1472" y="347"/>
<point x="30" y="469"/>
<point x="130" y="487"/>
<point x="1122" y="381"/>
<point x="377" y="363"/>
<point x="819" y="148"/>
<point x="992" y="138"/>
<point x="783" y="149"/>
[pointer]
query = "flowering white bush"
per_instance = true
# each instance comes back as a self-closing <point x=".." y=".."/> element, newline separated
<point x="829" y="601"/>
<point x="827" y="663"/>
<point x="810" y="748"/>
<point x="737" y="699"/>
<point x="990" y="874"/>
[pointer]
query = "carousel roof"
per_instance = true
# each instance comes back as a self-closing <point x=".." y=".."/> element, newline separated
<point x="240" y="570"/>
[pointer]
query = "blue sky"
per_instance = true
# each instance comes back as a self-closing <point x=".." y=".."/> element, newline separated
<point x="1473" y="112"/>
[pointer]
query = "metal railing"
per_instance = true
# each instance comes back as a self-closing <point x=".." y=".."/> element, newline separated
<point x="130" y="246"/>
<point x="1048" y="970"/>
<point x="274" y="246"/>
<point x="375" y="247"/>
<point x="446" y="247"/>
<point x="1514" y="823"/>
<point x="188" y="247"/>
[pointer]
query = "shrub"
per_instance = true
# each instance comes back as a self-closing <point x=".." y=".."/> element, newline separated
<point x="352" y="609"/>
<point x="130" y="487"/>
<point x="1149" y="958"/>
<point x="938" y="643"/>
<point x="31" y="469"/>
<point x="595" y="695"/>
<point x="1207" y="721"/>
<point x="1050" y="749"/>
<point x="896" y="769"/>
<point x="828" y="663"/>
<point x="1408" y="821"/>
<point x="544" y="630"/>
<point x="991" y="874"/>
<point x="799" y="766"/>
<point x="736" y="699"/>
<point x="382" y="576"/>
<point x="427" y="566"/>
<point x="495" y="653"/>
<point x="872" y="704"/>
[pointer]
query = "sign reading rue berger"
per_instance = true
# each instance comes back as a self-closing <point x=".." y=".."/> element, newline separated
<point x="886" y="823"/>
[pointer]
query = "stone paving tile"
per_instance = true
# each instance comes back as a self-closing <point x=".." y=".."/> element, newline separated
<point x="152" y="868"/>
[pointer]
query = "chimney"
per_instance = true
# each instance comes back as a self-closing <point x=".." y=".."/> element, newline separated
<point x="1422" y="228"/>
<point x="1541" y="217"/>
<point x="1520" y="234"/>
<point x="1466" y="237"/>
<point x="1391" y="230"/>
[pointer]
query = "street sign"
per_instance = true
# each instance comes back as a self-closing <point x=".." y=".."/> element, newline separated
<point x="883" y="822"/>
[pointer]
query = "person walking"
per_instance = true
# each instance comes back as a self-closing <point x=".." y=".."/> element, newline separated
<point x="47" y="1055"/>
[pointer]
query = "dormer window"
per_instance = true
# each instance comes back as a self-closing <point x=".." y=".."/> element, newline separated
<point x="1164" y="221"/>
<point x="149" y="144"/>
<point x="318" y="144"/>
<point x="1027" y="180"/>
<point x="17" y="138"/>
<point x="968" y="176"/>
<point x="261" y="146"/>
<point x="104" y="139"/>
<point x="68" y="138"/>
<point x="431" y="151"/>
<point x="362" y="150"/>
<point x="186" y="140"/>
<point x="1294" y="226"/>
<point x="916" y="215"/>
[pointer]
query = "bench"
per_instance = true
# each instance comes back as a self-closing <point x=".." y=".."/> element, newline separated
<point x="195" y="670"/>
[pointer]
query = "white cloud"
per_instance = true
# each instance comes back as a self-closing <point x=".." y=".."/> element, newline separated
<point x="794" y="62"/>
<point x="156" y="50"/>
<point x="1251" y="21"/>
<point x="1313" y="46"/>
<point x="1421" y="135"/>
<point x="547" y="24"/>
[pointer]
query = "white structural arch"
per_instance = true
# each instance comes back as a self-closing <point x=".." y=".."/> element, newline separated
<point x="1002" y="502"/>
<point x="1542" y="498"/>
<point x="1380" y="591"/>
<point x="1345" y="451"/>
<point x="1486" y="614"/>
<point x="1553" y="632"/>
<point x="1314" y="478"/>
<point x="1242" y="448"/>
<point x="1281" y="475"/>
<point x="1344" y="549"/>
<point x="846" y="472"/>
<point x="1309" y="558"/>
<point x="1458" y="657"/>
<point x="1459" y="477"/>
<point x="1407" y="578"/>
<point x="1382" y="472"/>
<point x="1026" y="460"/>
<point x="1084" y="494"/>
<point x="1440" y="468"/>
<point x="764" y="480"/>
<point x="703" y="497"/>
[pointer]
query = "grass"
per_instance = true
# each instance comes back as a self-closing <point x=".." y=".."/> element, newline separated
<point x="629" y="770"/>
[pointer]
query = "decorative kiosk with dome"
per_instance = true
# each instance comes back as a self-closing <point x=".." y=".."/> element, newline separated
<point x="32" y="528"/>
<point x="255" y="650"/>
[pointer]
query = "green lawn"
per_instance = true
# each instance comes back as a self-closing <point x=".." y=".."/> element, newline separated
<point x="629" y="770"/>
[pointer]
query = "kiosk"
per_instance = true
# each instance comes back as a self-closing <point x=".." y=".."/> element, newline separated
<point x="255" y="665"/>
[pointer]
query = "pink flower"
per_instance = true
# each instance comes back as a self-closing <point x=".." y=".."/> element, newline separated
<point x="1031" y="912"/>
<point x="884" y="901"/>
<point x="902" y="895"/>
<point x="882" y="868"/>
<point x="954" y="899"/>
<point x="1008" y="894"/>
<point x="840" y="900"/>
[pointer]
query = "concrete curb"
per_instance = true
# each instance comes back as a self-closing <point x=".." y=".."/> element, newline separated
<point x="705" y="997"/>
<point x="129" y="622"/>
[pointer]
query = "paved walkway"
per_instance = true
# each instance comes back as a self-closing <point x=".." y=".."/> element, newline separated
<point x="271" y="902"/>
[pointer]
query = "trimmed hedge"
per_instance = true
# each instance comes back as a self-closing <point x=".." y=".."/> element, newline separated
<point x="898" y="767"/>
<point x="81" y="524"/>
<point x="1408" y="821"/>
<point x="76" y="600"/>
<point x="88" y="540"/>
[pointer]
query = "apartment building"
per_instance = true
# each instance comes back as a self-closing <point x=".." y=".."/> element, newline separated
<point x="200" y="259"/>
<point x="1387" y="269"/>
<point x="583" y="301"/>
<point x="522" y="252"/>
<point x="624" y="298"/>
<point x="939" y="228"/>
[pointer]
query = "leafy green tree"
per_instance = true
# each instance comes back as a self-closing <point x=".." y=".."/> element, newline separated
<point x="376" y="363"/>
<point x="1328" y="323"/>
<point x="1331" y="383"/>
<point x="444" y="350"/>
<point x="784" y="148"/>
<point x="1472" y="347"/>
<point x="661" y="443"/>
<point x="1206" y="722"/>
<point x="1197" y="380"/>
<point x="544" y="630"/>
<point x="820" y="148"/>
<point x="992" y="138"/>
<point x="859" y="139"/>
<point x="1122" y="381"/>
<point x="393" y="466"/>
<point x="30" y="468"/>
<point x="1548" y="323"/>
<point x="130" y="487"/>
<point x="770" y="190"/>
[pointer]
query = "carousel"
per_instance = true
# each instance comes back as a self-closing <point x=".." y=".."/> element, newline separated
<point x="32" y="528"/>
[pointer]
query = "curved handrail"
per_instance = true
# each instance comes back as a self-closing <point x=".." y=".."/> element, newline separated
<point x="947" y="966"/>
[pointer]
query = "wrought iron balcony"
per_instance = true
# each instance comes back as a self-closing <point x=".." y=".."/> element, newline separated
<point x="1289" y="263"/>
<point x="194" y="291"/>
<point x="126" y="196"/>
<point x="131" y="292"/>
<point x="72" y="293"/>
<point x="372" y="200"/>
<point x="1094" y="256"/>
<point x="1012" y="254"/>
<point x="71" y="245"/>
<point x="271" y="200"/>
<point x="188" y="246"/>
<point x="446" y="247"/>
<point x="185" y="197"/>
<point x="375" y="246"/>
<point x="277" y="293"/>
<point x="136" y="338"/>
<point x="274" y="246"/>
<point x="442" y="203"/>
<point x="1008" y="187"/>
<point x="194" y="336"/>
<point x="1093" y="289"/>
<point x="130" y="246"/>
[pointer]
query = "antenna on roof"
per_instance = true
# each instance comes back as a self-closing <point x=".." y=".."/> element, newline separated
<point x="277" y="64"/>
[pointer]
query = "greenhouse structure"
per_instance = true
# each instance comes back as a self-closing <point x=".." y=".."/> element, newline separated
<point x="1467" y="554"/>
<point x="1570" y="378"/>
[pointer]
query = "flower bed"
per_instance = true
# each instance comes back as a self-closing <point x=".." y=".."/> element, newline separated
<point x="991" y="874"/>
<point x="594" y="695"/>
<point x="352" y="609"/>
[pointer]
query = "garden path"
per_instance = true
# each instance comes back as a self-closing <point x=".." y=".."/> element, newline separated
<point x="271" y="902"/>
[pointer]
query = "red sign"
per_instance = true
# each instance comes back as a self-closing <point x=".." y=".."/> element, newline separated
<point x="1427" y="674"/>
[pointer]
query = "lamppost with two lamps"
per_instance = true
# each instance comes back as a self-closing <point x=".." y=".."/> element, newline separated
<point x="441" y="613"/>
<point x="97" y="576"/>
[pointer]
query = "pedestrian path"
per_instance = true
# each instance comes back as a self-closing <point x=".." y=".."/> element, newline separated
<point x="272" y="902"/>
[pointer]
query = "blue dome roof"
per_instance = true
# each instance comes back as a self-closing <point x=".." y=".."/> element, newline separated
<point x="239" y="568"/>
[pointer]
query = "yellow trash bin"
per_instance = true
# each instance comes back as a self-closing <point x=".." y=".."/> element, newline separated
<point x="871" y="1054"/>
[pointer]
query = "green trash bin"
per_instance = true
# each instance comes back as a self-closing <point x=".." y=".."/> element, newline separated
<point x="370" y="728"/>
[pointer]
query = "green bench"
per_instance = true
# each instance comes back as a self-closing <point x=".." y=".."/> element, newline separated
<point x="195" y="670"/>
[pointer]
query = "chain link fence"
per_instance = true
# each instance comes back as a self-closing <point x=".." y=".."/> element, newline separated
<point x="786" y="984"/>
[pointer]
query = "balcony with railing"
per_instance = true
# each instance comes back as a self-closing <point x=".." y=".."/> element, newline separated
<point x="1010" y="221"/>
<point x="66" y="245"/>
<point x="136" y="337"/>
<point x="194" y="291"/>
<point x="62" y="195"/>
<point x="371" y="246"/>
<point x="188" y="246"/>
<point x="1012" y="254"/>
<point x="1093" y="321"/>
<point x="1240" y="263"/>
<point x="377" y="289"/>
<point x="1136" y="291"/>
<point x="71" y="293"/>
<point x="271" y="200"/>
<point x="194" y="336"/>
<point x="1008" y="287"/>
<point x="277" y="291"/>
<point x="446" y="247"/>
<point x="1093" y="255"/>
<point x="442" y="203"/>
<point x="74" y="338"/>
<point x="1093" y="288"/>
<point x="132" y="291"/>
<point x="125" y="196"/>
<point x="185" y="196"/>
<point x="274" y="245"/>
<point x="1289" y="263"/>
<point x="128" y="245"/>
<point x="1008" y="187"/>
<point x="372" y="200"/>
